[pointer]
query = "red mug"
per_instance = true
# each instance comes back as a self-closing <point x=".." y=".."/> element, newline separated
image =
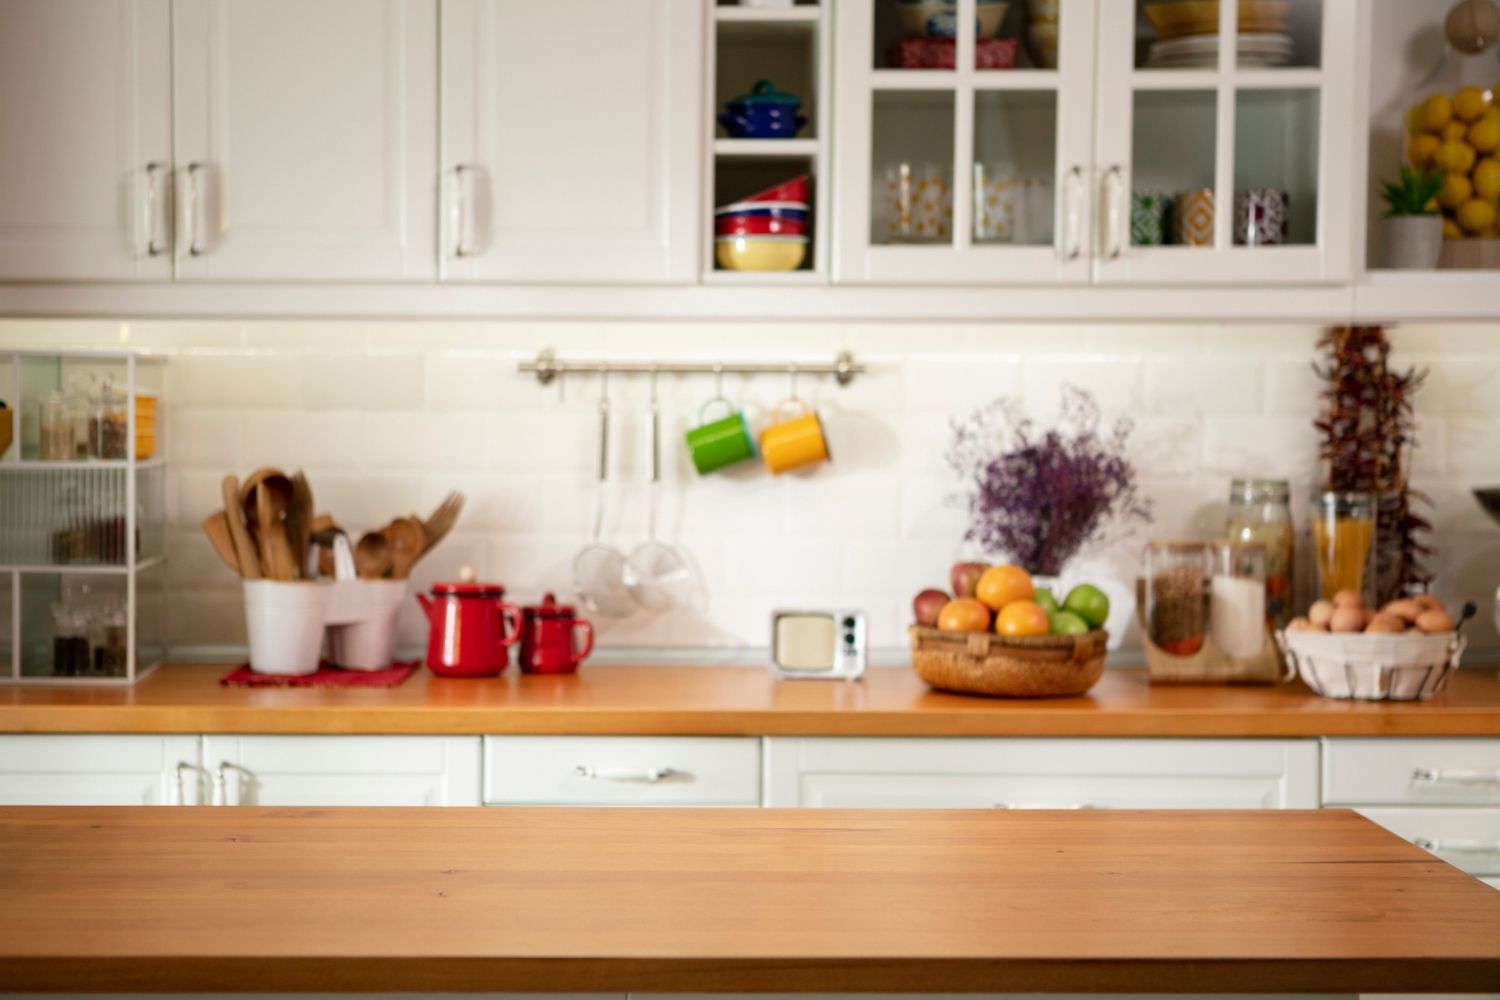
<point x="553" y="641"/>
<point x="469" y="629"/>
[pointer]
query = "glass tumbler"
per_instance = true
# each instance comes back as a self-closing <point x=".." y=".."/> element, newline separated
<point x="1343" y="537"/>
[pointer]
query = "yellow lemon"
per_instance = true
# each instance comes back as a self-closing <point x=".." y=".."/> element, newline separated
<point x="1454" y="131"/>
<point x="1484" y="135"/>
<point x="1451" y="230"/>
<point x="1486" y="178"/>
<point x="1455" y="157"/>
<point x="1456" y="190"/>
<point x="1413" y="118"/>
<point x="1437" y="111"/>
<point x="1420" y="150"/>
<point x="1476" y="215"/>
<point x="1469" y="103"/>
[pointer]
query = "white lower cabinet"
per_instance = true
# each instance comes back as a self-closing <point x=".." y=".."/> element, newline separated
<point x="343" y="770"/>
<point x="1041" y="773"/>
<point x="69" y="770"/>
<point x="622" y="771"/>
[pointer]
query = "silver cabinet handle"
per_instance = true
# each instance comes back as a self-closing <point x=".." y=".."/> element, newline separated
<point x="646" y="775"/>
<point x="201" y="774"/>
<point x="1432" y="777"/>
<point x="470" y="189"/>
<point x="1073" y="212"/>
<point x="1435" y="846"/>
<point x="246" y="781"/>
<point x="194" y="207"/>
<point x="1064" y="806"/>
<point x="154" y="209"/>
<point x="1114" y="182"/>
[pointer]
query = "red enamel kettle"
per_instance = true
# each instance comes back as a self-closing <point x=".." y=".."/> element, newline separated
<point x="470" y="629"/>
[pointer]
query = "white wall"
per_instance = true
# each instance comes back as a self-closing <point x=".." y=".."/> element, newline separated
<point x="386" y="417"/>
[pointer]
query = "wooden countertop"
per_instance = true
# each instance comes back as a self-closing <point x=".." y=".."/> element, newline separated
<point x="733" y="701"/>
<point x="437" y="900"/>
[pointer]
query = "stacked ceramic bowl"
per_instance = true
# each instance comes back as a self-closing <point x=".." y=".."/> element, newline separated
<point x="767" y="231"/>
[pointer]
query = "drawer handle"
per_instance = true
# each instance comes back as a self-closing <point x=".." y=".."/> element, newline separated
<point x="1044" y="805"/>
<point x="647" y="775"/>
<point x="1435" y="846"/>
<point x="200" y="773"/>
<point x="1427" y="776"/>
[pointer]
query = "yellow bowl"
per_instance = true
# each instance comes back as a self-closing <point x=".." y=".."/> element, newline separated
<point x="760" y="253"/>
<point x="1185" y="18"/>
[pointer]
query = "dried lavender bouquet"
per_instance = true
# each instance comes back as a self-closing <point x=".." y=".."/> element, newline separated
<point x="1039" y="497"/>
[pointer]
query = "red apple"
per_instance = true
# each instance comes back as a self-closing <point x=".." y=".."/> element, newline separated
<point x="965" y="577"/>
<point x="928" y="605"/>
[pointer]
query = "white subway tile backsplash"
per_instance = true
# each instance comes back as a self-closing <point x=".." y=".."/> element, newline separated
<point x="387" y="417"/>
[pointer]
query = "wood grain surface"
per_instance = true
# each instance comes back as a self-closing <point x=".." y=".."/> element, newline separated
<point x="388" y="900"/>
<point x="733" y="701"/>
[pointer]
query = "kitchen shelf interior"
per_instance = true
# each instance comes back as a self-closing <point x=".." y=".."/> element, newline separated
<point x="1015" y="161"/>
<point x="922" y="33"/>
<point x="739" y="177"/>
<point x="912" y="153"/>
<point x="1179" y="37"/>
<point x="783" y="52"/>
<point x="1173" y="150"/>
<point x="1276" y="150"/>
<point x="76" y="625"/>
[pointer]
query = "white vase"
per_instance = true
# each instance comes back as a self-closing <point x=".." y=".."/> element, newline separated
<point x="1412" y="242"/>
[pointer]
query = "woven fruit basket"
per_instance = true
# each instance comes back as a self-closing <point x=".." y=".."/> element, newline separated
<point x="1043" y="666"/>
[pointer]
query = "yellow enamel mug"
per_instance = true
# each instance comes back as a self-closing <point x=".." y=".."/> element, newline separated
<point x="793" y="442"/>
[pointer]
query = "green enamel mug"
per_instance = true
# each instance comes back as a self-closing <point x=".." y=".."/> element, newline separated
<point x="718" y="444"/>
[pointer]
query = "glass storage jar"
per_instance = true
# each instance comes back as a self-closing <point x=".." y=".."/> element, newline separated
<point x="1260" y="511"/>
<point x="109" y="424"/>
<point x="1176" y="596"/>
<point x="1237" y="599"/>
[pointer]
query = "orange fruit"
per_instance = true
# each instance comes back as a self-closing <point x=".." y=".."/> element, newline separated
<point x="964" y="614"/>
<point x="1023" y="618"/>
<point x="1002" y="585"/>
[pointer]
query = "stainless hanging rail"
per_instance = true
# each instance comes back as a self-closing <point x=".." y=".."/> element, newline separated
<point x="548" y="366"/>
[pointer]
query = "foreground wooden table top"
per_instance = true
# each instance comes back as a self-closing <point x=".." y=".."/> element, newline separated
<point x="429" y="900"/>
<point x="733" y="701"/>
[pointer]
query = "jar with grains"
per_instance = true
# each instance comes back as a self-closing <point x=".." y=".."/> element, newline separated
<point x="1260" y="512"/>
<point x="1177" y="596"/>
<point x="109" y="425"/>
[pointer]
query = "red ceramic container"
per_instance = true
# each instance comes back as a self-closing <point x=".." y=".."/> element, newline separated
<point x="470" y="629"/>
<point x="792" y="190"/>
<point x="553" y="639"/>
<point x="758" y="225"/>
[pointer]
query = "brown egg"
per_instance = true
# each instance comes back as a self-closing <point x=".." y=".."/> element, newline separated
<point x="1347" y="619"/>
<point x="1436" y="620"/>
<point x="1321" y="613"/>
<point x="1348" y="599"/>
<point x="1383" y="622"/>
<point x="1407" y="610"/>
<point x="1427" y="602"/>
<point x="1300" y="624"/>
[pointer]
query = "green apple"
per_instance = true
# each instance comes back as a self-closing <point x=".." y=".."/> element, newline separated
<point x="1067" y="623"/>
<point x="1089" y="603"/>
<point x="1043" y="596"/>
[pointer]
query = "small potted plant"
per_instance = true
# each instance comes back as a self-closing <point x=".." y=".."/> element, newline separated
<point x="1412" y="230"/>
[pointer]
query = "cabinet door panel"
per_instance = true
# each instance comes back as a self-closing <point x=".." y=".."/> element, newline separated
<point x="75" y="770"/>
<point x="85" y="109"/>
<point x="312" y="125"/>
<point x="345" y="770"/>
<point x="570" y="156"/>
<point x="622" y="770"/>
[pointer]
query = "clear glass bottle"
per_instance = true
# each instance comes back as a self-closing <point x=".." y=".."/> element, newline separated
<point x="56" y="429"/>
<point x="1176" y="596"/>
<point x="1237" y="599"/>
<point x="1260" y="511"/>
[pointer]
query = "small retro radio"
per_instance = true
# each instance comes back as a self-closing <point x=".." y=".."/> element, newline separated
<point x="818" y="644"/>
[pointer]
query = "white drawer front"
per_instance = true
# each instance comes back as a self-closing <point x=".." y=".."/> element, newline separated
<point x="621" y="771"/>
<point x="1411" y="772"/>
<point x="1042" y="774"/>
<point x="1465" y="838"/>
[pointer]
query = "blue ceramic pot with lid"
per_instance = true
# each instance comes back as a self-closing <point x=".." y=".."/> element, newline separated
<point x="764" y="113"/>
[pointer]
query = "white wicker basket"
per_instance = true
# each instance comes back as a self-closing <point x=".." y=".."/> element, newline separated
<point x="1406" y="666"/>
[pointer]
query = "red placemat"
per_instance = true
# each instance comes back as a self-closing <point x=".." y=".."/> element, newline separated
<point x="327" y="675"/>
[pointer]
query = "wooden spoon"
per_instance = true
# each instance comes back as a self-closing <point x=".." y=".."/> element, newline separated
<point x="299" y="517"/>
<point x="372" y="557"/>
<point x="216" y="527"/>
<point x="275" y="548"/>
<point x="406" y="542"/>
<point x="246" y="556"/>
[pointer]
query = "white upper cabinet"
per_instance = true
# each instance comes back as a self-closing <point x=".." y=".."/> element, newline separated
<point x="305" y="139"/>
<point x="86" y="128"/>
<point x="1238" y="154"/>
<point x="976" y="173"/>
<point x="570" y="140"/>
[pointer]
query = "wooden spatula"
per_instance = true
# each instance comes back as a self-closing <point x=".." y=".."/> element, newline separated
<point x="247" y="557"/>
<point x="216" y="527"/>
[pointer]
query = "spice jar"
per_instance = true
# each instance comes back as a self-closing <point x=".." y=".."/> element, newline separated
<point x="1176" y="598"/>
<point x="1237" y="599"/>
<point x="70" y="641"/>
<point x="109" y="425"/>
<point x="56" y="428"/>
<point x="1260" y="511"/>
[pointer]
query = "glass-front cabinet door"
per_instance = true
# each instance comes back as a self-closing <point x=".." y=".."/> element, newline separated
<point x="1219" y="151"/>
<point x="963" y="141"/>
